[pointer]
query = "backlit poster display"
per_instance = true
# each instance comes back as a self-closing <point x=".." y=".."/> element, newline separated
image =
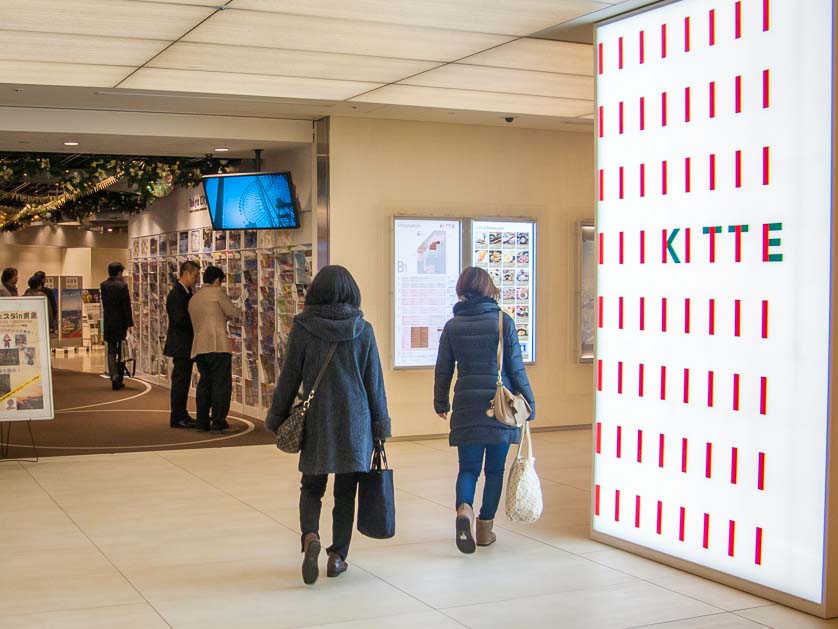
<point x="506" y="249"/>
<point x="427" y="265"/>
<point x="713" y="232"/>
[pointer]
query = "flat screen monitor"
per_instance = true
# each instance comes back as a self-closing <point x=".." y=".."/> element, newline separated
<point x="251" y="201"/>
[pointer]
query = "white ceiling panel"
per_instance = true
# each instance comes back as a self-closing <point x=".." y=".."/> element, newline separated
<point x="539" y="54"/>
<point x="478" y="101"/>
<point x="244" y="84"/>
<point x="467" y="77"/>
<point x="27" y="46"/>
<point x="275" y="30"/>
<point x="41" y="73"/>
<point x="116" y="18"/>
<point x="271" y="61"/>
<point x="521" y="17"/>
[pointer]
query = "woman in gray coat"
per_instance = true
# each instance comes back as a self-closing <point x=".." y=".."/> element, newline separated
<point x="348" y="413"/>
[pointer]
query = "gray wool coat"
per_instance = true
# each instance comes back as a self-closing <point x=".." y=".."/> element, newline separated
<point x="349" y="410"/>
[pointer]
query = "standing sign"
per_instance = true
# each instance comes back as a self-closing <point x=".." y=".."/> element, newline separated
<point x="714" y="223"/>
<point x="427" y="266"/>
<point x="25" y="374"/>
<point x="72" y="319"/>
<point x="506" y="249"/>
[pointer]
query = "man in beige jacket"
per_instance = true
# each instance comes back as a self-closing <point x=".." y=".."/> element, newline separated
<point x="210" y="309"/>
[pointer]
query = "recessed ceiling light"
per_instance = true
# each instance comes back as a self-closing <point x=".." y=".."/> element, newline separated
<point x="71" y="143"/>
<point x="221" y="149"/>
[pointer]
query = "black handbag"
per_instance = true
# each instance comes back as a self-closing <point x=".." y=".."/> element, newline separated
<point x="377" y="498"/>
<point x="289" y="435"/>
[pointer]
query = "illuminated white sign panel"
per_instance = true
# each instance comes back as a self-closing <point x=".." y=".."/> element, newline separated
<point x="713" y="150"/>
<point x="427" y="265"/>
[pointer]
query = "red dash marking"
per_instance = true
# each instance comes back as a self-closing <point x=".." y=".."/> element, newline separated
<point x="686" y="386"/>
<point x="599" y="375"/>
<point x="663" y="386"/>
<point x="766" y="89"/>
<point x="737" y="317"/>
<point x="686" y="104"/>
<point x="711" y="327"/>
<point x="600" y="58"/>
<point x="687" y="315"/>
<point x="620" y="109"/>
<point x="599" y="312"/>
<point x="761" y="472"/>
<point x="734" y="465"/>
<point x="765" y="15"/>
<point x="642" y="180"/>
<point x="637" y="511"/>
<point x="619" y="449"/>
<point x="642" y="313"/>
<point x="710" y="377"/>
<point x="765" y="318"/>
<point x="621" y="181"/>
<point x="687" y="244"/>
<point x="640" y="371"/>
<point x="663" y="109"/>
<point x="712" y="173"/>
<point x="738" y="95"/>
<point x="660" y="517"/>
<point x="642" y="113"/>
<point x="706" y="541"/>
<point x="663" y="314"/>
<point x="596" y="500"/>
<point x="660" y="450"/>
<point x="640" y="446"/>
<point x="642" y="43"/>
<point x="736" y="392"/>
<point x="601" y="248"/>
<point x="684" y="455"/>
<point x="731" y="537"/>
<point x="687" y="175"/>
<point x="599" y="437"/>
<point x="616" y="505"/>
<point x="620" y="53"/>
<point x="758" y="553"/>
<point x="763" y="396"/>
<point x="621" y="239"/>
<point x="686" y="34"/>
<point x="663" y="41"/>
<point x="601" y="121"/>
<point x="643" y="246"/>
<point x="601" y="184"/>
<point x="739" y="169"/>
<point x="619" y="376"/>
<point x="682" y="518"/>
<point x="708" y="461"/>
<point x="712" y="33"/>
<point x="663" y="177"/>
<point x="765" y="166"/>
<point x="738" y="26"/>
<point x="712" y="99"/>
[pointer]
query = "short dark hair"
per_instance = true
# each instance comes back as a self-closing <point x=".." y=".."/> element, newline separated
<point x="40" y="274"/>
<point x="212" y="273"/>
<point x="474" y="283"/>
<point x="8" y="273"/>
<point x="188" y="267"/>
<point x="334" y="284"/>
<point x="35" y="282"/>
<point x="115" y="268"/>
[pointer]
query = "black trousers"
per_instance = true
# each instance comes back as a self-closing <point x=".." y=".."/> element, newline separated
<point x="343" y="515"/>
<point x="215" y="388"/>
<point x="181" y="377"/>
<point x="115" y="361"/>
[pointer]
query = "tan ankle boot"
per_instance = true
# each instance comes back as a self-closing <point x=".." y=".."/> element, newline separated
<point x="465" y="528"/>
<point x="485" y="536"/>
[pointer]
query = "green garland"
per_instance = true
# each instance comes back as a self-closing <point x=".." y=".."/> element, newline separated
<point x="80" y="190"/>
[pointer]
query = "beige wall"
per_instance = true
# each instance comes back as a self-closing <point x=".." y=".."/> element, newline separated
<point x="383" y="168"/>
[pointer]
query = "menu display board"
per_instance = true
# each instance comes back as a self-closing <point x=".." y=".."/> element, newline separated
<point x="25" y="374"/>
<point x="506" y="249"/>
<point x="428" y="257"/>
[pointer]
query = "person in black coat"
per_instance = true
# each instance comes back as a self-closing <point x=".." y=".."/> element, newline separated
<point x="348" y="413"/>
<point x="53" y="304"/>
<point x="179" y="343"/>
<point x="470" y="341"/>
<point x="116" y="310"/>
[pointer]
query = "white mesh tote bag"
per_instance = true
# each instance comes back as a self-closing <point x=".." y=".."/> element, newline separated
<point x="523" y="489"/>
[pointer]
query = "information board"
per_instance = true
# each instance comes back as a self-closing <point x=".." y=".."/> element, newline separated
<point x="506" y="249"/>
<point x="714" y="220"/>
<point x="25" y="373"/>
<point x="428" y="257"/>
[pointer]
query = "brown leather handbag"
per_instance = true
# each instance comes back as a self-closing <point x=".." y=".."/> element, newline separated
<point x="508" y="408"/>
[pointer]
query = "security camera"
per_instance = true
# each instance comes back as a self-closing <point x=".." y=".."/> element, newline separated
<point x="509" y="119"/>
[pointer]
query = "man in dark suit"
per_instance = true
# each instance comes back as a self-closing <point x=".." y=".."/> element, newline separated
<point x="179" y="343"/>
<point x="116" y="308"/>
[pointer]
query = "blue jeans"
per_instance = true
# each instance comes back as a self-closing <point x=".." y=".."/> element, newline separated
<point x="471" y="460"/>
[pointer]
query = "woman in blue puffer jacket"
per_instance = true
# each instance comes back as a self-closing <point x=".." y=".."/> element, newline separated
<point x="470" y="341"/>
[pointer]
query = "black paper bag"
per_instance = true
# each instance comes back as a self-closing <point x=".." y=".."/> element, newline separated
<point x="377" y="498"/>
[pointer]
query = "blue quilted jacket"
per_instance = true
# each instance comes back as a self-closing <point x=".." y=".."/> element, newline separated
<point x="470" y="342"/>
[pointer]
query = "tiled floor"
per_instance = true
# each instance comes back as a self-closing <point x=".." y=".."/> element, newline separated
<point x="208" y="538"/>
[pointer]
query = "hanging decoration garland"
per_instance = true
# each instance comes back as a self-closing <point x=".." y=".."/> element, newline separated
<point x="82" y="190"/>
